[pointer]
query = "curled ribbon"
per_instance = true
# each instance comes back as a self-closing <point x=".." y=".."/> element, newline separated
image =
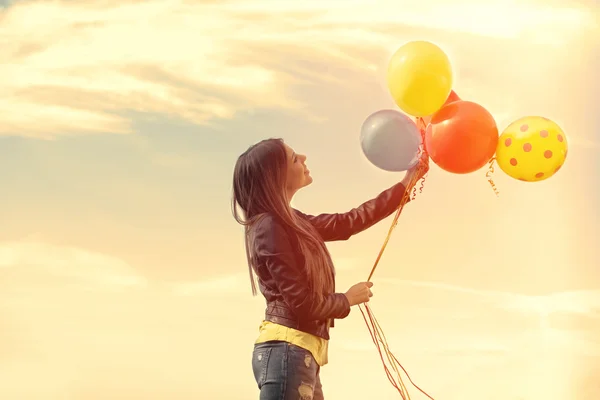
<point x="489" y="174"/>
<point x="422" y="183"/>
<point x="421" y="186"/>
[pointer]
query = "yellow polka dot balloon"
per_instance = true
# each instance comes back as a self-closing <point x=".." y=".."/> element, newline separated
<point x="532" y="149"/>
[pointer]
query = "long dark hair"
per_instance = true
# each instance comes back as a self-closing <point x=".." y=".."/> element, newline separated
<point x="259" y="188"/>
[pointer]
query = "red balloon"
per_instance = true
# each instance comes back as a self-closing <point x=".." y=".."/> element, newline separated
<point x="461" y="137"/>
<point x="452" y="97"/>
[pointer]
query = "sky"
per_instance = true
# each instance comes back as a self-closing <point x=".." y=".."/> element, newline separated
<point x="123" y="273"/>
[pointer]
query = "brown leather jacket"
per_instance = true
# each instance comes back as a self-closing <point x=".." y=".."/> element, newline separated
<point x="280" y="265"/>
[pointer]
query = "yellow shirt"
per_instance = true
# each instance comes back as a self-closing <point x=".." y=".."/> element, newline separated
<point x="316" y="345"/>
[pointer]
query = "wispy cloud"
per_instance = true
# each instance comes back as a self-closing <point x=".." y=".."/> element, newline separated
<point x="33" y="263"/>
<point x="234" y="284"/>
<point x="468" y="344"/>
<point x="63" y="325"/>
<point x="220" y="285"/>
<point x="581" y="302"/>
<point x="68" y="340"/>
<point x="484" y="324"/>
<point x="81" y="67"/>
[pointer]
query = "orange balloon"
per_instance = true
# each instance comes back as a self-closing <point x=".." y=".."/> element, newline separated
<point x="461" y="137"/>
<point x="451" y="98"/>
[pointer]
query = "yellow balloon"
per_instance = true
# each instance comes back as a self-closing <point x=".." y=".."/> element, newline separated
<point x="420" y="78"/>
<point x="532" y="149"/>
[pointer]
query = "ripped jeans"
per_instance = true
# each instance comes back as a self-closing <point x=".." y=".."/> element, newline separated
<point x="284" y="371"/>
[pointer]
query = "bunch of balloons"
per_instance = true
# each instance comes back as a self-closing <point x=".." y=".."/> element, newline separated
<point x="460" y="136"/>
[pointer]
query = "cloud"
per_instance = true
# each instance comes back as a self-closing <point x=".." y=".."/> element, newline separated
<point x="38" y="263"/>
<point x="98" y="344"/>
<point x="64" y="325"/>
<point x="220" y="285"/>
<point x="235" y="284"/>
<point x="474" y="328"/>
<point x="83" y="67"/>
<point x="574" y="304"/>
<point x="78" y="72"/>
<point x="583" y="301"/>
<point x="568" y="317"/>
<point x="451" y="346"/>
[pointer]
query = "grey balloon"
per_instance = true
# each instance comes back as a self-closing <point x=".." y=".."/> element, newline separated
<point x="391" y="140"/>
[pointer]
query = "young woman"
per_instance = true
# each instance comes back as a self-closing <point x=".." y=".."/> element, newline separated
<point x="286" y="250"/>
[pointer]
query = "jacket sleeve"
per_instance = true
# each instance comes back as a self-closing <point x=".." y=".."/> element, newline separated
<point x="275" y="252"/>
<point x="342" y="226"/>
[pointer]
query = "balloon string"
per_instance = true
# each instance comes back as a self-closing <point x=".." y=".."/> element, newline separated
<point x="396" y="360"/>
<point x="373" y="326"/>
<point x="380" y="341"/>
<point x="403" y="201"/>
<point x="421" y="126"/>
<point x="387" y="238"/>
<point x="373" y="333"/>
<point x="489" y="174"/>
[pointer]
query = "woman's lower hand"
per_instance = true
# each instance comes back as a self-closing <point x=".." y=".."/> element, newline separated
<point x="359" y="293"/>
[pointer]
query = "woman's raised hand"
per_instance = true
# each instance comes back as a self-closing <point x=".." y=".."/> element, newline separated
<point x="418" y="171"/>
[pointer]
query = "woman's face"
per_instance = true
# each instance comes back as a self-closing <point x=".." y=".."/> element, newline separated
<point x="298" y="176"/>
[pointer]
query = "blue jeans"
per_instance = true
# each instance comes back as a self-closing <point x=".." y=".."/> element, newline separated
<point x="284" y="371"/>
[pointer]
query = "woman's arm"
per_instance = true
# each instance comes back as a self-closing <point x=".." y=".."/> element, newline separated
<point x="274" y="250"/>
<point x="333" y="227"/>
<point x="342" y="226"/>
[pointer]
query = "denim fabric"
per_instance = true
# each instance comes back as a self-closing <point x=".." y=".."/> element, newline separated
<point x="284" y="371"/>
